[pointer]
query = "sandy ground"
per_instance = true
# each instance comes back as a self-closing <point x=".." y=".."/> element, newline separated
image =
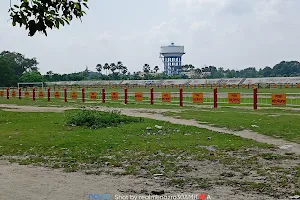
<point x="14" y="108"/>
<point x="20" y="182"/>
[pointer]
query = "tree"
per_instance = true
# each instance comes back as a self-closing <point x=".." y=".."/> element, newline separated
<point x="146" y="69"/>
<point x="156" y="68"/>
<point x="32" y="77"/>
<point x="99" y="68"/>
<point x="40" y="15"/>
<point x="119" y="66"/>
<point x="124" y="70"/>
<point x="106" y="67"/>
<point x="12" y="67"/>
<point x="198" y="71"/>
<point x="113" y="67"/>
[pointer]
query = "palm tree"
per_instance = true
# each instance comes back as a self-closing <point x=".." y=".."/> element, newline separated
<point x="119" y="66"/>
<point x="113" y="67"/>
<point x="156" y="68"/>
<point x="106" y="67"/>
<point x="124" y="70"/>
<point x="146" y="69"/>
<point x="191" y="66"/>
<point x="99" y="68"/>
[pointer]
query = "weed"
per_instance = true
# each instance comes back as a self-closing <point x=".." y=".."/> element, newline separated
<point x="95" y="119"/>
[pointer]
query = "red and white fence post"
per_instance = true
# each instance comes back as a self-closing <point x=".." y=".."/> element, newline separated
<point x="215" y="98"/>
<point x="152" y="96"/>
<point x="49" y="98"/>
<point x="20" y="93"/>
<point x="181" y="97"/>
<point x="82" y="95"/>
<point x="65" y="95"/>
<point x="125" y="96"/>
<point x="33" y="94"/>
<point x="7" y="93"/>
<point x="255" y="98"/>
<point x="103" y="95"/>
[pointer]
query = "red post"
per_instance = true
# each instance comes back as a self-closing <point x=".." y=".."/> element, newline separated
<point x="65" y="95"/>
<point x="33" y="94"/>
<point x="181" y="97"/>
<point x="255" y="98"/>
<point x="49" y="94"/>
<point x="103" y="95"/>
<point x="152" y="96"/>
<point x="215" y="98"/>
<point x="83" y="95"/>
<point x="20" y="93"/>
<point x="7" y="93"/>
<point x="125" y="95"/>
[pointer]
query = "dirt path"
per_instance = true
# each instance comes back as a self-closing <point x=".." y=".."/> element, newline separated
<point x="15" y="108"/>
<point x="153" y="114"/>
<point x="21" y="182"/>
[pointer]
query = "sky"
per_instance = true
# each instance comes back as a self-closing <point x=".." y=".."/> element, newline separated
<point x="232" y="34"/>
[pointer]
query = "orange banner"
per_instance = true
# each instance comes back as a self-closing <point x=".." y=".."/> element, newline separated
<point x="57" y="95"/>
<point x="243" y="86"/>
<point x="166" y="97"/>
<point x="27" y="95"/>
<point x="278" y="99"/>
<point x="13" y="93"/>
<point x="1" y="93"/>
<point x="233" y="86"/>
<point x="93" y="95"/>
<point x="74" y="95"/>
<point x="41" y="94"/>
<point x="234" y="98"/>
<point x="138" y="96"/>
<point x="114" y="96"/>
<point x="198" y="97"/>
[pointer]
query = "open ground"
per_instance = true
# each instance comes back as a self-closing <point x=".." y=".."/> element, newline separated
<point x="228" y="153"/>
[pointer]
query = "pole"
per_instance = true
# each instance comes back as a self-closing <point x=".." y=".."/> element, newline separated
<point x="215" y="98"/>
<point x="103" y="95"/>
<point x="49" y="94"/>
<point x="125" y="96"/>
<point x="20" y="93"/>
<point x="255" y="98"/>
<point x="83" y="95"/>
<point x="65" y="95"/>
<point x="152" y="96"/>
<point x="181" y="97"/>
<point x="33" y="94"/>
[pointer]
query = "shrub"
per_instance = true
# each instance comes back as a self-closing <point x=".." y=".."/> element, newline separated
<point x="96" y="119"/>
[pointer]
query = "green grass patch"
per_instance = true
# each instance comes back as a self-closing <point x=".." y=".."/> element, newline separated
<point x="277" y="123"/>
<point x="95" y="119"/>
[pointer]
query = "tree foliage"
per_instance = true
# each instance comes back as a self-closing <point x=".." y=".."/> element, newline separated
<point x="13" y="65"/>
<point x="32" y="77"/>
<point x="40" y="15"/>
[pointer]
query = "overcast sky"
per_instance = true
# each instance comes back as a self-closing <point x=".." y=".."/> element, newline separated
<point x="232" y="34"/>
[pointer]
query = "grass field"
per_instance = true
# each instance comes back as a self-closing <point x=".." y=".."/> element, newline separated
<point x="272" y="122"/>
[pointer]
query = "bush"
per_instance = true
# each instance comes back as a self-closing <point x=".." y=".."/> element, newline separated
<point x="96" y="119"/>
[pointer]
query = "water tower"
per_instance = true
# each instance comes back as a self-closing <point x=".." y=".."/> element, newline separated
<point x="171" y="56"/>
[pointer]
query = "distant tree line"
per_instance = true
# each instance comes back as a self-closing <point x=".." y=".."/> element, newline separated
<point x="15" y="67"/>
